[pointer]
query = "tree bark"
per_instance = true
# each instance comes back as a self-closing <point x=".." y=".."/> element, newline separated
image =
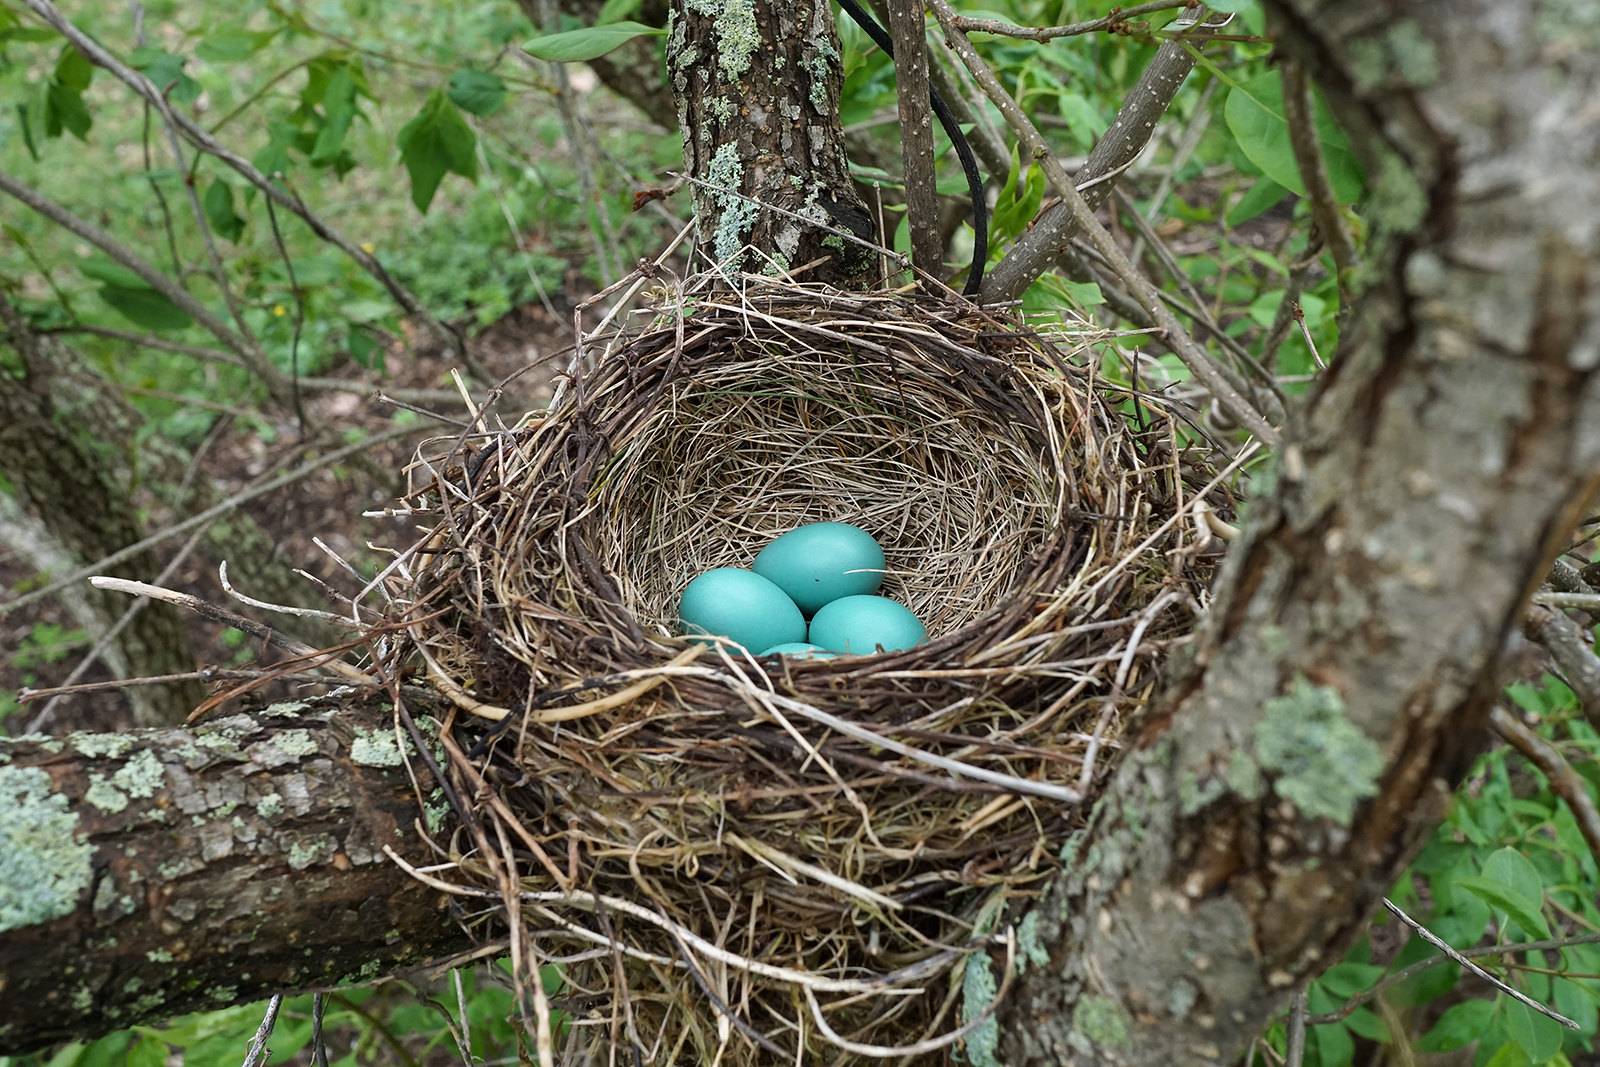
<point x="757" y="84"/>
<point x="1344" y="678"/>
<point x="148" y="874"/>
<point x="54" y="452"/>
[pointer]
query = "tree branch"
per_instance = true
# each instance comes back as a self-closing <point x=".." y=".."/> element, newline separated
<point x="159" y="872"/>
<point x="908" y="29"/>
<point x="1564" y="781"/>
<point x="1299" y="114"/>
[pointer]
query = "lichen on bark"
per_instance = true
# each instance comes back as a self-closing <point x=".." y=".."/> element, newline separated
<point x="757" y="85"/>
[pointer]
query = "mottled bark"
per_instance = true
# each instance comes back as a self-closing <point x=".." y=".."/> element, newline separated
<point x="757" y="85"/>
<point x="148" y="874"/>
<point x="1344" y="678"/>
<point x="54" y="450"/>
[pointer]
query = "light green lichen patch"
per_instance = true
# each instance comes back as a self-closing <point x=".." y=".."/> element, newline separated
<point x="303" y="854"/>
<point x="738" y="36"/>
<point x="1398" y="201"/>
<point x="158" y="955"/>
<point x="100" y="746"/>
<point x="269" y="805"/>
<point x="978" y="992"/>
<point x="724" y="176"/>
<point x="376" y="748"/>
<point x="1322" y="763"/>
<point x="1102" y="1021"/>
<point x="1034" y="951"/>
<point x="83" y="998"/>
<point x="296" y="743"/>
<point x="105" y="796"/>
<point x="141" y="776"/>
<point x="44" y="867"/>
<point x="287" y="709"/>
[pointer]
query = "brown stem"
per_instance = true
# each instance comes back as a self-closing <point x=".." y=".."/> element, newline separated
<point x="908" y="30"/>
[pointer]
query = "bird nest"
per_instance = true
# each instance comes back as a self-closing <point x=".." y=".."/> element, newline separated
<point x="737" y="859"/>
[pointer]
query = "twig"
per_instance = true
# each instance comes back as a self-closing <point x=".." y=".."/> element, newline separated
<point x="1216" y="379"/>
<point x="206" y="516"/>
<point x="1564" y="781"/>
<point x="1428" y="936"/>
<point x="1407" y="973"/>
<point x="255" y="629"/>
<point x="1572" y="651"/>
<point x="199" y="138"/>
<point x="258" y="1051"/>
<point x="908" y="29"/>
<point x="1294" y="1053"/>
<point x="1111" y="22"/>
<point x="160" y="282"/>
<point x="1297" y="111"/>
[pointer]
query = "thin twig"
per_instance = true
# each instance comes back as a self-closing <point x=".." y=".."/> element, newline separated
<point x="258" y="1052"/>
<point x="1294" y="1054"/>
<point x="1428" y="936"/>
<point x="1114" y="22"/>
<point x="1572" y="650"/>
<point x="1297" y="112"/>
<point x="1564" y="781"/>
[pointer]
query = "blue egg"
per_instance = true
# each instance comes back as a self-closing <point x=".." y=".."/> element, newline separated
<point x="863" y="625"/>
<point x="822" y="561"/>
<point x="741" y="606"/>
<point x="800" y="650"/>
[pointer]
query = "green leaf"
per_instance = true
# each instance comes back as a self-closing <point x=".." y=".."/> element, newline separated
<point x="591" y="42"/>
<point x="366" y="351"/>
<point x="166" y="71"/>
<point x="617" y="10"/>
<point x="1509" y="1055"/>
<point x="1539" y="1035"/>
<point x="145" y="307"/>
<point x="218" y="205"/>
<point x="64" y="111"/>
<point x="1335" y="1046"/>
<point x="338" y="110"/>
<point x="1459" y="1026"/>
<point x="477" y="91"/>
<point x="1262" y="196"/>
<point x="1254" y="113"/>
<point x="148" y="1052"/>
<point x="438" y="141"/>
<point x="274" y="157"/>
<point x="74" y="70"/>
<point x="233" y="42"/>
<point x="1511" y="869"/>
<point x="101" y="269"/>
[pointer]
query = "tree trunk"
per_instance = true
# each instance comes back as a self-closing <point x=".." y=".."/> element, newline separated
<point x="757" y="84"/>
<point x="1343" y="680"/>
<point x="148" y="874"/>
<point x="54" y="451"/>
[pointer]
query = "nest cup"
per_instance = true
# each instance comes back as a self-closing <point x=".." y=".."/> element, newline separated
<point x="758" y="859"/>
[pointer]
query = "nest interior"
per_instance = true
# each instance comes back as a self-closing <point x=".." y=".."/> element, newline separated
<point x="744" y="860"/>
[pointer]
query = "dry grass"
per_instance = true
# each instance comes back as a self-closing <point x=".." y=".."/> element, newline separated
<point x="730" y="853"/>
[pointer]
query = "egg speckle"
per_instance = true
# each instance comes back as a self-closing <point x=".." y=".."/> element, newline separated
<point x="742" y="606"/>
<point x="863" y="625"/>
<point x="822" y="561"/>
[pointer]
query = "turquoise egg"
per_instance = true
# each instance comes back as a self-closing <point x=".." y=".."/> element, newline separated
<point x="741" y="606"/>
<point x="822" y="561"/>
<point x="799" y="649"/>
<point x="863" y="625"/>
